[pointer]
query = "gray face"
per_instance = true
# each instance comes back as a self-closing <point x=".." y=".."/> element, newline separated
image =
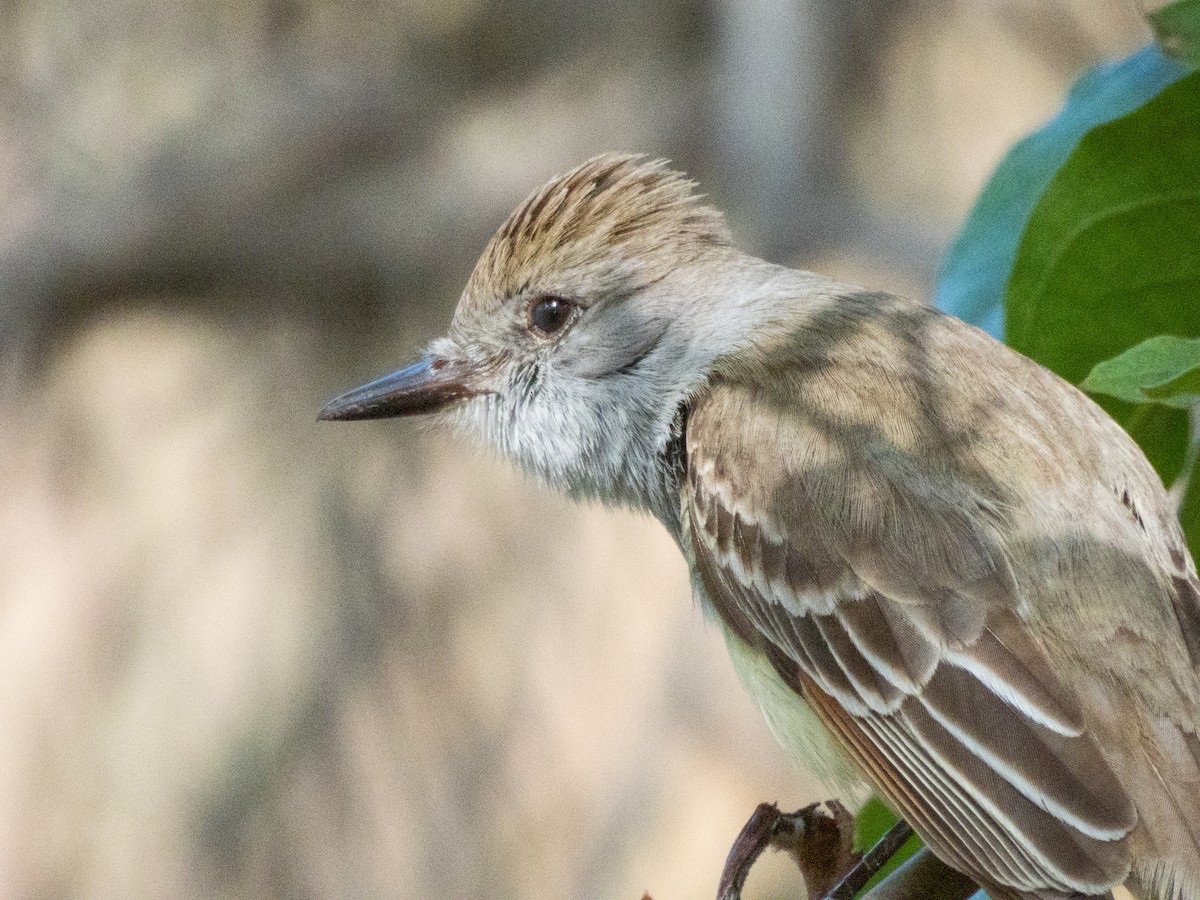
<point x="595" y="312"/>
<point x="588" y="408"/>
<point x="579" y="387"/>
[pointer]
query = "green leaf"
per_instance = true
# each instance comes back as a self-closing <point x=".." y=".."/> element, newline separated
<point x="1189" y="514"/>
<point x="1111" y="256"/>
<point x="1177" y="30"/>
<point x="1163" y="369"/>
<point x="1182" y="393"/>
<point x="872" y="823"/>
<point x="976" y="269"/>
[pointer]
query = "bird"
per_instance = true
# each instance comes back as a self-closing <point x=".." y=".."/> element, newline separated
<point x="943" y="572"/>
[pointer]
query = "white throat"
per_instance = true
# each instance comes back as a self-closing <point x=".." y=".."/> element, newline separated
<point x="618" y="436"/>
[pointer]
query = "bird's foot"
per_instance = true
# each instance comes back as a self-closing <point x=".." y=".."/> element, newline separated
<point x="821" y="841"/>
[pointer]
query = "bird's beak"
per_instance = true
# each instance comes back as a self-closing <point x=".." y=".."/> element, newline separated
<point x="432" y="383"/>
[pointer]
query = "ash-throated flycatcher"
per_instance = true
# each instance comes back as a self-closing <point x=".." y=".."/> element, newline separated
<point x="939" y="568"/>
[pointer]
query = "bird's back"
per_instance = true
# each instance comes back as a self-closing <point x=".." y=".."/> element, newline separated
<point x="934" y="450"/>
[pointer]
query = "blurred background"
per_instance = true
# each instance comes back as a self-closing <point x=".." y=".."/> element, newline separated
<point x="244" y="655"/>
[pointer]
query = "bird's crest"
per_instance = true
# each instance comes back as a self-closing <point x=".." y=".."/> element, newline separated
<point x="615" y="209"/>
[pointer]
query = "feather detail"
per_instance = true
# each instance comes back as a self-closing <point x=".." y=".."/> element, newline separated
<point x="941" y="693"/>
<point x="1005" y="659"/>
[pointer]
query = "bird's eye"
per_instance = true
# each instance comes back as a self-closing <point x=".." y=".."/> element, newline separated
<point x="549" y="315"/>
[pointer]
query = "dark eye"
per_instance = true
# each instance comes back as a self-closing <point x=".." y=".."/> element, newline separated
<point x="548" y="315"/>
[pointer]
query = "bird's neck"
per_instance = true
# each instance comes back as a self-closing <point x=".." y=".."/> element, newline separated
<point x="764" y="314"/>
<point x="740" y="313"/>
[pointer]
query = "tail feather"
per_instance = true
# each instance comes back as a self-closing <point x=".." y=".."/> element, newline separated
<point x="1156" y="755"/>
<point x="1163" y="774"/>
<point x="1162" y="880"/>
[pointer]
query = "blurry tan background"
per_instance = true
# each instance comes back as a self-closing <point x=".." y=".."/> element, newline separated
<point x="244" y="655"/>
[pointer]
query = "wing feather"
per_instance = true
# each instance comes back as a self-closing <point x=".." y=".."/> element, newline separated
<point x="880" y="693"/>
<point x="1048" y="768"/>
<point x="1006" y="661"/>
<point x="971" y="827"/>
<point x="891" y="642"/>
<point x="927" y="675"/>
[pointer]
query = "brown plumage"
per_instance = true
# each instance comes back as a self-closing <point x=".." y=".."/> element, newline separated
<point x="607" y="215"/>
<point x="972" y="574"/>
<point x="940" y="568"/>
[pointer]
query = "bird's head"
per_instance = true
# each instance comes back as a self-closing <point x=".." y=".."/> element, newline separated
<point x="595" y="311"/>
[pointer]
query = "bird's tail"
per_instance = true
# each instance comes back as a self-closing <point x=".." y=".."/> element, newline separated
<point x="1163" y="880"/>
<point x="1162" y="773"/>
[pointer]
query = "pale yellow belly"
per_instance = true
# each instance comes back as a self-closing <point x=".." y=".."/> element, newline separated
<point x="796" y="726"/>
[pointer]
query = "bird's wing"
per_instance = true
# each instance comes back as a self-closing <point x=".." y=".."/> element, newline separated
<point x="882" y="594"/>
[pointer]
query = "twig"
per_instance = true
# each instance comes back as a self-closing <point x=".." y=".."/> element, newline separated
<point x="872" y="861"/>
<point x="923" y="876"/>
